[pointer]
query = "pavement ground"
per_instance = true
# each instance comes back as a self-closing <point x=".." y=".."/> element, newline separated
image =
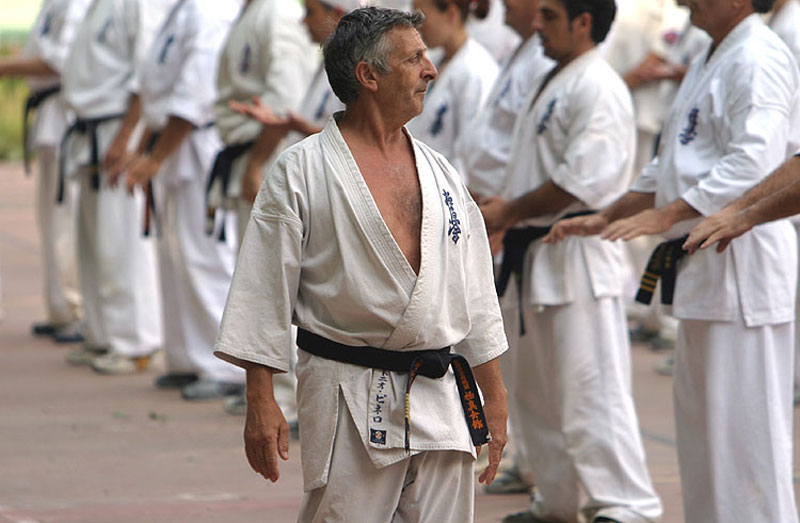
<point x="79" y="447"/>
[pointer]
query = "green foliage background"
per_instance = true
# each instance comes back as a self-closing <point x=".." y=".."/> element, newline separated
<point x="13" y="92"/>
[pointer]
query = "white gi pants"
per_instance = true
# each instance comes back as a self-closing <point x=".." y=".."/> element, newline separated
<point x="57" y="232"/>
<point x="433" y="486"/>
<point x="196" y="271"/>
<point x="733" y="416"/>
<point x="117" y="267"/>
<point x="575" y="413"/>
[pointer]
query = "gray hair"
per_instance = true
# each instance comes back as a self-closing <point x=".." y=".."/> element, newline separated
<point x="361" y="37"/>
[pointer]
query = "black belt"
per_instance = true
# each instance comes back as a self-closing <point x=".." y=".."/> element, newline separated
<point x="515" y="245"/>
<point x="663" y="264"/>
<point x="223" y="165"/>
<point x="150" y="214"/>
<point x="428" y="363"/>
<point x="33" y="102"/>
<point x="84" y="126"/>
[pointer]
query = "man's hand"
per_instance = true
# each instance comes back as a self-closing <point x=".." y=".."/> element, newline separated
<point x="496" y="411"/>
<point x="258" y="111"/>
<point x="494" y="210"/>
<point x="721" y="227"/>
<point x="142" y="169"/>
<point x="651" y="221"/>
<point x="266" y="436"/>
<point x="579" y="226"/>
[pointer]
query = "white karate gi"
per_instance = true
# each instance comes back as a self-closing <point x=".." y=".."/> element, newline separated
<point x="786" y="24"/>
<point x="455" y="98"/>
<point x="493" y="33"/>
<point x="728" y="130"/>
<point x="196" y="268"/>
<point x="116" y="263"/>
<point x="577" y="425"/>
<point x="268" y="54"/>
<point x="49" y="39"/>
<point x="317" y="253"/>
<point x="484" y="148"/>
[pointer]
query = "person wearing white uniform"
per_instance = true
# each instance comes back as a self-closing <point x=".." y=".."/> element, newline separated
<point x="319" y="104"/>
<point x="564" y="312"/>
<point x="267" y="55"/>
<point x="369" y="242"/>
<point x="467" y="73"/>
<point x="484" y="151"/>
<point x="785" y="21"/>
<point x="116" y="264"/>
<point x="42" y="61"/>
<point x="728" y="128"/>
<point x="493" y="32"/>
<point x="179" y="144"/>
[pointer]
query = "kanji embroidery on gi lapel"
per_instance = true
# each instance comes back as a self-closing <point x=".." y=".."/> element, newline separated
<point x="438" y="123"/>
<point x="163" y="56"/>
<point x="48" y="24"/>
<point x="103" y="34"/>
<point x="542" y="127"/>
<point x="454" y="224"/>
<point x="690" y="133"/>
<point x="244" y="66"/>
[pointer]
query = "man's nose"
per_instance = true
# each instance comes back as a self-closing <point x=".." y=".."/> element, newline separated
<point x="429" y="73"/>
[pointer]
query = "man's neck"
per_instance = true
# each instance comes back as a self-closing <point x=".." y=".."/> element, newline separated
<point x="577" y="53"/>
<point x="718" y="35"/>
<point x="371" y="128"/>
<point x="779" y="4"/>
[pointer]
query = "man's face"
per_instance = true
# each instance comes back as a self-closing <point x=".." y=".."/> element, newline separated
<point x="556" y="30"/>
<point x="708" y="15"/>
<point x="318" y="19"/>
<point x="403" y="88"/>
<point x="434" y="21"/>
<point x="521" y="14"/>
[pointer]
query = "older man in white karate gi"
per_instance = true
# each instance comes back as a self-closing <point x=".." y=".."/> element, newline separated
<point x="42" y="61"/>
<point x="729" y="126"/>
<point x="179" y="145"/>
<point x="267" y="55"/>
<point x="369" y="242"/>
<point x="572" y="153"/>
<point x="116" y="264"/>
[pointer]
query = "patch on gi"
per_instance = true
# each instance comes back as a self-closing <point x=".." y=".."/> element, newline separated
<point x="688" y="135"/>
<point x="377" y="436"/>
<point x="454" y="224"/>
<point x="542" y="127"/>
<point x="438" y="124"/>
<point x="671" y="37"/>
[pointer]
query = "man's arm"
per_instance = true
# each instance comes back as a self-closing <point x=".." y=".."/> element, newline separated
<point x="117" y="157"/>
<point x="26" y="67"/>
<point x="629" y="204"/>
<point x="495" y="406"/>
<point x="500" y="214"/>
<point x="267" y="141"/>
<point x="145" y="167"/>
<point x="650" y="221"/>
<point x="775" y="198"/>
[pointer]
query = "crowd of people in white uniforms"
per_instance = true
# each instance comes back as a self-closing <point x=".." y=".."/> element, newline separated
<point x="157" y="121"/>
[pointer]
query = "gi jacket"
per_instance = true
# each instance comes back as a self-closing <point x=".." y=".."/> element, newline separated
<point x="317" y="253"/>
<point x="728" y="129"/>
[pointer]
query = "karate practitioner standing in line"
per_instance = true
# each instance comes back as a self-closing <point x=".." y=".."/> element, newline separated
<point x="42" y="62"/>
<point x="564" y="309"/>
<point x="117" y="266"/>
<point x="369" y="242"/>
<point x="729" y="127"/>
<point x="179" y="145"/>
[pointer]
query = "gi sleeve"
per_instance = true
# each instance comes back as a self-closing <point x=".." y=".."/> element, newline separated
<point x="132" y="22"/>
<point x="193" y="95"/>
<point x="256" y="323"/>
<point x="647" y="180"/>
<point x="288" y="75"/>
<point x="756" y="104"/>
<point x="600" y="138"/>
<point x="487" y="337"/>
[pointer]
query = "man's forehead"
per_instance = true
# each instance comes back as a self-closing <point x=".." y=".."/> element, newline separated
<point x="406" y="40"/>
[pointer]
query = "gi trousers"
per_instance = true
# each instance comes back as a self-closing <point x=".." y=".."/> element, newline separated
<point x="573" y="409"/>
<point x="57" y="234"/>
<point x="432" y="486"/>
<point x="117" y="267"/>
<point x="733" y="416"/>
<point x="196" y="271"/>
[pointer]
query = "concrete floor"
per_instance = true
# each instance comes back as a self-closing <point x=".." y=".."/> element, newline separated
<point x="79" y="447"/>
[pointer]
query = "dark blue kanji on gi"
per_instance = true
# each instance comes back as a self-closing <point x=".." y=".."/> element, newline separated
<point x="690" y="132"/>
<point x="438" y="123"/>
<point x="542" y="127"/>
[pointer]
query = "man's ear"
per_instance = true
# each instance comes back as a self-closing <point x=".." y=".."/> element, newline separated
<point x="365" y="74"/>
<point x="583" y="23"/>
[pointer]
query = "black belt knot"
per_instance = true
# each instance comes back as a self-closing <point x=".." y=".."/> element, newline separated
<point x="429" y="363"/>
<point x="32" y="103"/>
<point x="85" y="126"/>
<point x="515" y="245"/>
<point x="663" y="264"/>
<point x="223" y="165"/>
